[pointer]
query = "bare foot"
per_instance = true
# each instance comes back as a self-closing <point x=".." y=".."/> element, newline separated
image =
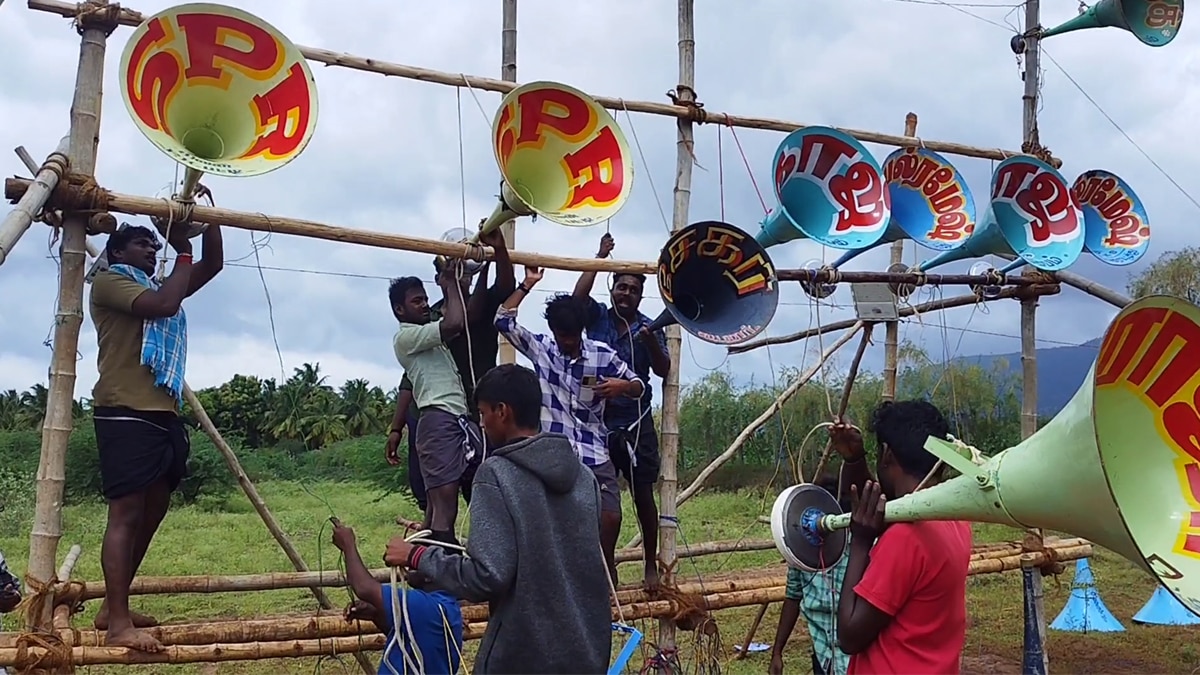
<point x="650" y="580"/>
<point x="139" y="620"/>
<point x="133" y="638"/>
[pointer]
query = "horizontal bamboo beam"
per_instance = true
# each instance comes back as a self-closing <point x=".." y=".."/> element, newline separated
<point x="329" y="630"/>
<point x="1094" y="288"/>
<point x="825" y="275"/>
<point x="72" y="198"/>
<point x="129" y="17"/>
<point x="1009" y="293"/>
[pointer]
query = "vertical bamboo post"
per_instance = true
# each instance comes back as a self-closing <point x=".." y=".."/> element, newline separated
<point x="508" y="73"/>
<point x="1036" y="660"/>
<point x="94" y="25"/>
<point x="669" y="486"/>
<point x="891" y="339"/>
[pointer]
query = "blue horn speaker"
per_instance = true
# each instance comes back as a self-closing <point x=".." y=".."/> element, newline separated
<point x="1032" y="216"/>
<point x="930" y="203"/>
<point x="830" y="190"/>
<point x="1154" y="22"/>
<point x="717" y="283"/>
<point x="1116" y="229"/>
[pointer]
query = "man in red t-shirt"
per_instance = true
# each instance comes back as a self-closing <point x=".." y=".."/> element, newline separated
<point x="903" y="606"/>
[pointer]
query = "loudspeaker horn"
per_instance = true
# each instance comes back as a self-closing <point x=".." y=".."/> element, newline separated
<point x="830" y="190"/>
<point x="1153" y="22"/>
<point x="1119" y="465"/>
<point x="931" y="204"/>
<point x="1116" y="229"/>
<point x="561" y="156"/>
<point x="218" y="90"/>
<point x="717" y="283"/>
<point x="1032" y="215"/>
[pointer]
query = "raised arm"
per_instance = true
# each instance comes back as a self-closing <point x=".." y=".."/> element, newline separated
<point x="847" y="439"/>
<point x="506" y="318"/>
<point x="506" y="279"/>
<point x="583" y="287"/>
<point x="211" y="262"/>
<point x="121" y="293"/>
<point x="358" y="577"/>
<point x="454" y="316"/>
<point x="478" y="300"/>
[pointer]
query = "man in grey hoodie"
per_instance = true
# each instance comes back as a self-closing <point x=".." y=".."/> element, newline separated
<point x="534" y="551"/>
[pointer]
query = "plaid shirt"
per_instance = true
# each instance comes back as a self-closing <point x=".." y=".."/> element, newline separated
<point x="568" y="407"/>
<point x="625" y="412"/>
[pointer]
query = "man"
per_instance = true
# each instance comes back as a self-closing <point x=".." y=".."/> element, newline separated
<point x="10" y="593"/>
<point x="578" y="375"/>
<point x="632" y="439"/>
<point x="815" y="594"/>
<point x="474" y="351"/>
<point x="529" y="556"/>
<point x="429" y="631"/>
<point x="447" y="438"/>
<point x="903" y="602"/>
<point x="142" y="442"/>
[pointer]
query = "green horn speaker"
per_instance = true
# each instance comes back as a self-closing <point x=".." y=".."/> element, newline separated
<point x="1119" y="465"/>
<point x="1154" y="22"/>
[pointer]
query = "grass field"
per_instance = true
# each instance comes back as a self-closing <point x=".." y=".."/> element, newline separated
<point x="232" y="540"/>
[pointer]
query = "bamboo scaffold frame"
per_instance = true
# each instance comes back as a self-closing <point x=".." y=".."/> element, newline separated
<point x="69" y="187"/>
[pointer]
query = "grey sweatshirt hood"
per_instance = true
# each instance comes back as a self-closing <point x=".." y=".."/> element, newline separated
<point x="548" y="456"/>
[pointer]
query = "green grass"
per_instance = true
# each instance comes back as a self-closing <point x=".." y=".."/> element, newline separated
<point x="203" y="539"/>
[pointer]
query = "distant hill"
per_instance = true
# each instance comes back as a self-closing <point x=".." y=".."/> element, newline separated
<point x="1060" y="371"/>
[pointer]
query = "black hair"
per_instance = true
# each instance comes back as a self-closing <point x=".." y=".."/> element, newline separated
<point x="639" y="278"/>
<point x="566" y="313"/>
<point x="117" y="241"/>
<point x="515" y="386"/>
<point x="904" y="426"/>
<point x="399" y="289"/>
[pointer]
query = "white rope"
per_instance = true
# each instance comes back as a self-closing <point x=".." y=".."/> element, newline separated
<point x="968" y="451"/>
<point x="400" y="612"/>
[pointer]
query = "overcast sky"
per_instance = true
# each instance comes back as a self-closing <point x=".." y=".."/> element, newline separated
<point x="385" y="156"/>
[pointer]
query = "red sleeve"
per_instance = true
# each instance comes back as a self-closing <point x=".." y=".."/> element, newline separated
<point x="897" y="561"/>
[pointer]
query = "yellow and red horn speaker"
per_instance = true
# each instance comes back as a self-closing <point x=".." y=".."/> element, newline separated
<point x="219" y="90"/>
<point x="931" y="204"/>
<point x="561" y="155"/>
<point x="717" y="283"/>
<point x="1154" y="22"/>
<point x="1119" y="465"/>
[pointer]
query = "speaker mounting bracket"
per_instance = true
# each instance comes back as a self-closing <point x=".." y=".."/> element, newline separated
<point x="874" y="302"/>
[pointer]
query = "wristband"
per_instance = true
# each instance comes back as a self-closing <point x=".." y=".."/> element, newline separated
<point x="414" y="557"/>
<point x="181" y="256"/>
<point x="523" y="288"/>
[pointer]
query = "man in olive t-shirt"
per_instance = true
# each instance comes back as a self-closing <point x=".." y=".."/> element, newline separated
<point x="143" y="445"/>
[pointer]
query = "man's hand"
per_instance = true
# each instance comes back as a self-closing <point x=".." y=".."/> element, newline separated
<point x="533" y="275"/>
<point x="847" y="439"/>
<point x="397" y="552"/>
<point x="392" y="453"/>
<point x="606" y="246"/>
<point x="644" y="333"/>
<point x="866" y="512"/>
<point x="359" y="611"/>
<point x="343" y="537"/>
<point x="495" y="239"/>
<point x="10" y="597"/>
<point x="611" y="387"/>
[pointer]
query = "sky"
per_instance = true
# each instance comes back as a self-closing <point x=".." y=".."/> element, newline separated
<point x="386" y="156"/>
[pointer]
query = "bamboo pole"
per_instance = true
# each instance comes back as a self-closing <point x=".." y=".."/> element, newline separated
<point x="274" y="581"/>
<point x="1034" y="538"/>
<point x="923" y="308"/>
<point x="684" y="95"/>
<point x="129" y="17"/>
<point x="260" y="506"/>
<point x="45" y="179"/>
<point x="84" y="137"/>
<point x="891" y="336"/>
<point x="53" y="219"/>
<point x="1093" y="288"/>
<point x="826" y="275"/>
<point x="329" y="633"/>
<point x="258" y="222"/>
<point x="508" y="73"/>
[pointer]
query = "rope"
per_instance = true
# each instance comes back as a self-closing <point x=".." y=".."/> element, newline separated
<point x="400" y="609"/>
<point x="99" y="15"/>
<point x="968" y="451"/>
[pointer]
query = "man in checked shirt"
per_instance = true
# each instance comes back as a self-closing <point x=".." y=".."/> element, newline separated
<point x="577" y="376"/>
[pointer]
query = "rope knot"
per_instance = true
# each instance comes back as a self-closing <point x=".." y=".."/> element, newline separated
<point x="969" y="451"/>
<point x="99" y="14"/>
<point x="684" y="96"/>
